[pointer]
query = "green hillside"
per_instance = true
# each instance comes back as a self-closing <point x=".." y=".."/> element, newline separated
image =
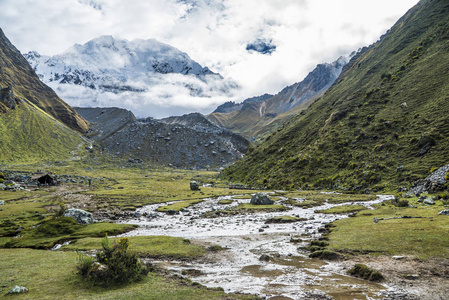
<point x="30" y="135"/>
<point x="35" y="124"/>
<point x="17" y="74"/>
<point x="383" y="124"/>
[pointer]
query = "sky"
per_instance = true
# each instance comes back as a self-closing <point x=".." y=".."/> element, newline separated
<point x="263" y="45"/>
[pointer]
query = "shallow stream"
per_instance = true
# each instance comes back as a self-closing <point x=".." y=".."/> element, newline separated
<point x="289" y="274"/>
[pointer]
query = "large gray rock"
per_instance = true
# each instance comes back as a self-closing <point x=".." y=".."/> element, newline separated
<point x="261" y="199"/>
<point x="81" y="216"/>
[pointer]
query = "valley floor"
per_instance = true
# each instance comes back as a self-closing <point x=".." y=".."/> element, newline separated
<point x="217" y="238"/>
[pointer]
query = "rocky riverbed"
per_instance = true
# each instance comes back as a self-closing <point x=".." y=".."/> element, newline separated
<point x="259" y="258"/>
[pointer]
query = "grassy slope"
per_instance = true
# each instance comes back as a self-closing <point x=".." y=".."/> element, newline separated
<point x="51" y="275"/>
<point x="357" y="134"/>
<point x="30" y="135"/>
<point x="17" y="73"/>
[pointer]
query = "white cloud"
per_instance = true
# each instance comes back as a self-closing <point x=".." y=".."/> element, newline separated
<point x="213" y="32"/>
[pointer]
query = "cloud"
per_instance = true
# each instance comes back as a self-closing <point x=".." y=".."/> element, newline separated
<point x="215" y="33"/>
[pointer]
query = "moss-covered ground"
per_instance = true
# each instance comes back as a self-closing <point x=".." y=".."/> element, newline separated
<point x="51" y="275"/>
<point x="418" y="230"/>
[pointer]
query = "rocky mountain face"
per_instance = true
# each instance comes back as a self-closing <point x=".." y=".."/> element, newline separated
<point x="256" y="117"/>
<point x="189" y="141"/>
<point x="383" y="124"/>
<point x="18" y="82"/>
<point x="231" y="106"/>
<point x="105" y="70"/>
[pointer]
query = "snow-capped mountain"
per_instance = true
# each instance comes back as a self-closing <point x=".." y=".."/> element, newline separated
<point x="141" y="75"/>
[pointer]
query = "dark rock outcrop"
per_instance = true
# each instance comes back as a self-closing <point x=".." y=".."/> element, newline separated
<point x="189" y="141"/>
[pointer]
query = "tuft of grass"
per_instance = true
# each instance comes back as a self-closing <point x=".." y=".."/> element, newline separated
<point x="146" y="246"/>
<point x="284" y="219"/>
<point x="344" y="209"/>
<point x="178" y="206"/>
<point x="248" y="207"/>
<point x="362" y="271"/>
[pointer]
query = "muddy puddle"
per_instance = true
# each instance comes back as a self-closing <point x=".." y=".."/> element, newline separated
<point x="288" y="273"/>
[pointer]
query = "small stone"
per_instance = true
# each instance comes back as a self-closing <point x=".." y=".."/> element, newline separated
<point x="412" y="276"/>
<point x="18" y="289"/>
<point x="444" y="212"/>
<point x="264" y="257"/>
<point x="376" y="220"/>
<point x="398" y="257"/>
<point x="2" y="202"/>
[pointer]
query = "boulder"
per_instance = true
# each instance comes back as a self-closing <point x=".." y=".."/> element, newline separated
<point x="194" y="186"/>
<point x="81" y="216"/>
<point x="2" y="202"/>
<point x="261" y="199"/>
<point x="444" y="212"/>
<point x="429" y="201"/>
<point x="18" y="289"/>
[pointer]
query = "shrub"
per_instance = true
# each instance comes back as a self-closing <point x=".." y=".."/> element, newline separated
<point x="113" y="266"/>
<point x="61" y="209"/>
<point x="401" y="203"/>
<point x="362" y="271"/>
<point x="85" y="264"/>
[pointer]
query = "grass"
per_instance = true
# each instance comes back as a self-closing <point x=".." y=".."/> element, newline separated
<point x="344" y="209"/>
<point x="55" y="230"/>
<point x="31" y="140"/>
<point x="248" y="207"/>
<point x="178" y="206"/>
<point x="51" y="274"/>
<point x="423" y="236"/>
<point x="284" y="219"/>
<point x="225" y="202"/>
<point x="147" y="246"/>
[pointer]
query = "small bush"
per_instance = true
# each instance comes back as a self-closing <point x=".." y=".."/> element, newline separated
<point x="362" y="271"/>
<point x="113" y="266"/>
<point x="325" y="254"/>
<point x="401" y="203"/>
<point x="433" y="169"/>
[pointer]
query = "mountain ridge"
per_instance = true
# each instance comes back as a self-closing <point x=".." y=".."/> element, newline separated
<point x="381" y="125"/>
<point x="257" y="117"/>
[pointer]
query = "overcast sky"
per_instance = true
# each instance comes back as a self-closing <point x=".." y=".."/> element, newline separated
<point x="264" y="45"/>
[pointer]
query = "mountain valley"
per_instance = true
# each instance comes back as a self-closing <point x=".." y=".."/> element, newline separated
<point x="337" y="187"/>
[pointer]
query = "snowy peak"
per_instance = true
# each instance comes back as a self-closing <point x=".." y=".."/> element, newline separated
<point x="106" y="54"/>
<point x="153" y="75"/>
